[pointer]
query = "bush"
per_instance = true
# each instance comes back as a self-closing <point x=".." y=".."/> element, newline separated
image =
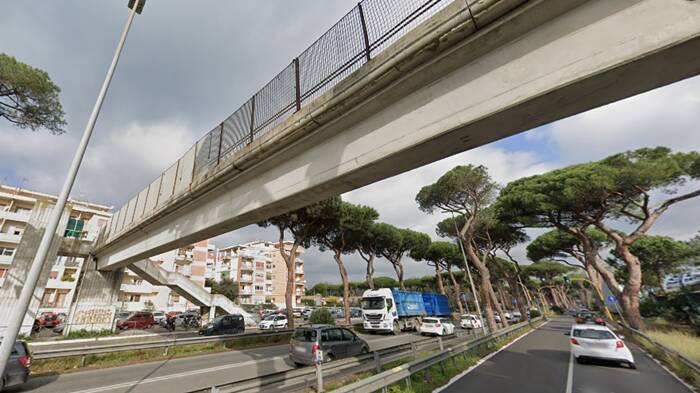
<point x="534" y="313"/>
<point x="321" y="317"/>
<point x="557" y="310"/>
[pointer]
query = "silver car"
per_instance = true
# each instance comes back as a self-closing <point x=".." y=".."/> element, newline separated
<point x="334" y="343"/>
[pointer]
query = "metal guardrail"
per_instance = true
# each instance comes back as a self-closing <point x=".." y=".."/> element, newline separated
<point x="404" y="372"/>
<point x="306" y="377"/>
<point x="667" y="355"/>
<point x="166" y="343"/>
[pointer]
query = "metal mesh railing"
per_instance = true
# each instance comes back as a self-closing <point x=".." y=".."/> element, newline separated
<point x="361" y="34"/>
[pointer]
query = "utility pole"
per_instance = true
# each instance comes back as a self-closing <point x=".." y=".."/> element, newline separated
<point x="20" y="310"/>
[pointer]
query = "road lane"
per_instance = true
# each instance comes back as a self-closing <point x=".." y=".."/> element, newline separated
<point x="541" y="362"/>
<point x="176" y="375"/>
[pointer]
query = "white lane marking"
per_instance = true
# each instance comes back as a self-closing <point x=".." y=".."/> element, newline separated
<point x="570" y="375"/>
<point x="171" y="376"/>
<point x="482" y="360"/>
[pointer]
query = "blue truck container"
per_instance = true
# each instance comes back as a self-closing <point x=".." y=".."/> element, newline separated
<point x="409" y="304"/>
<point x="436" y="305"/>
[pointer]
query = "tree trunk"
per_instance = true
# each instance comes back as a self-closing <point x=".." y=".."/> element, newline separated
<point x="289" y="290"/>
<point x="398" y="268"/>
<point x="346" y="285"/>
<point x="370" y="271"/>
<point x="660" y="283"/>
<point x="519" y="294"/>
<point x="455" y="289"/>
<point x="486" y="288"/>
<point x="594" y="277"/>
<point x="438" y="278"/>
<point x="632" y="288"/>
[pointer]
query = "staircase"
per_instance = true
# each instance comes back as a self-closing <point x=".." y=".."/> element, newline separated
<point x="183" y="286"/>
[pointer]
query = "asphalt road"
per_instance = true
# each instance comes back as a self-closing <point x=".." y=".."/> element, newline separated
<point x="183" y="374"/>
<point x="541" y="363"/>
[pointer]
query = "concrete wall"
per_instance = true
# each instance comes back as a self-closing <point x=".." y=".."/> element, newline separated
<point x="95" y="302"/>
<point x="543" y="61"/>
<point x="24" y="255"/>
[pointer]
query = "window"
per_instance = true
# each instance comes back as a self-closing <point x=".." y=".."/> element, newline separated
<point x="74" y="228"/>
<point x="335" y="335"/>
<point x="348" y="335"/>
<point x="594" y="334"/>
<point x="7" y="251"/>
<point x="389" y="304"/>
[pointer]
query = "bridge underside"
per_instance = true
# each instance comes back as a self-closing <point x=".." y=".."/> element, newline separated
<point x="540" y="62"/>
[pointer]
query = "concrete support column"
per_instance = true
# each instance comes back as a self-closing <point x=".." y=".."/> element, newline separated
<point x="96" y="298"/>
<point x="22" y="260"/>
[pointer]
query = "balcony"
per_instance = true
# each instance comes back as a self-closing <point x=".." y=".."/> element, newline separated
<point x="136" y="288"/>
<point x="22" y="216"/>
<point x="10" y="238"/>
<point x="246" y="291"/>
<point x="246" y="278"/>
<point x="247" y="266"/>
<point x="6" y="259"/>
<point x="57" y="283"/>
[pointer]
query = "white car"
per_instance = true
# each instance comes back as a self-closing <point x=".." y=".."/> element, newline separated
<point x="436" y="326"/>
<point x="273" y="322"/>
<point x="508" y="315"/>
<point x="470" y="321"/>
<point x="599" y="342"/>
<point x="159" y="317"/>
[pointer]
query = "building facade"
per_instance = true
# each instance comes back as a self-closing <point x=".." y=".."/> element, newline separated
<point x="260" y="271"/>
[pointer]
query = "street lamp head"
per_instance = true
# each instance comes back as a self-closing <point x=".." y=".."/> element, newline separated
<point x="139" y="5"/>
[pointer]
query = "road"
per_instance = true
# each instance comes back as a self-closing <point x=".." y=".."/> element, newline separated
<point x="183" y="374"/>
<point x="541" y="363"/>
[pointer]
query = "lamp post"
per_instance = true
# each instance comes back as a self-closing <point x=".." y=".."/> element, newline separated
<point x="19" y="311"/>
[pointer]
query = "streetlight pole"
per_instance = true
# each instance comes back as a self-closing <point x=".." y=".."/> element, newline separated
<point x="19" y="311"/>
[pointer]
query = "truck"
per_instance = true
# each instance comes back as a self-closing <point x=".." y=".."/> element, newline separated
<point x="392" y="310"/>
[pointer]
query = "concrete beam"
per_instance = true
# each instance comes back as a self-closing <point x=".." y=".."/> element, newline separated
<point x="544" y="61"/>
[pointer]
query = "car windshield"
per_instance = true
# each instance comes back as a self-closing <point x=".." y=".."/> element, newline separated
<point x="373" y="303"/>
<point x="304" y="335"/>
<point x="217" y="319"/>
<point x="594" y="334"/>
<point x="270" y="318"/>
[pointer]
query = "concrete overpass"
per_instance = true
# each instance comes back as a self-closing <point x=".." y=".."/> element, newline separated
<point x="465" y="77"/>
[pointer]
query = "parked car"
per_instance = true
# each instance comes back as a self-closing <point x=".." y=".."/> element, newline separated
<point x="470" y="321"/>
<point x="138" y="320"/>
<point x="225" y="324"/>
<point x="274" y="322"/>
<point x="187" y="320"/>
<point x="436" y="326"/>
<point x="297" y="311"/>
<point x="18" y="365"/>
<point x="334" y="342"/>
<point x="307" y="313"/>
<point x="46" y="320"/>
<point x="355" y="312"/>
<point x="599" y="342"/>
<point x="122" y="315"/>
<point x="517" y="316"/>
<point x="159" y="317"/>
<point x="589" y="317"/>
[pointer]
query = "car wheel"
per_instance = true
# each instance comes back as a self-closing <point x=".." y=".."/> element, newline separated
<point x="364" y="351"/>
<point x="631" y="365"/>
<point x="580" y="360"/>
<point x="329" y="358"/>
<point x="299" y="365"/>
<point x="396" y="329"/>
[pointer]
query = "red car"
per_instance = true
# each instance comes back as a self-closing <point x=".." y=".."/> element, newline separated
<point x="585" y="317"/>
<point x="47" y="320"/>
<point x="139" y="320"/>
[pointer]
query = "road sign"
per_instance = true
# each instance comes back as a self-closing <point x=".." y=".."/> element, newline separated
<point x="611" y="298"/>
<point x="319" y="357"/>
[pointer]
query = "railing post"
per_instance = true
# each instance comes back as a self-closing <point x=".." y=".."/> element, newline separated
<point x="221" y="140"/>
<point x="252" y="119"/>
<point x="365" y="36"/>
<point x="377" y="362"/>
<point x="413" y="348"/>
<point x="319" y="377"/>
<point x="442" y="346"/>
<point x="297" y="83"/>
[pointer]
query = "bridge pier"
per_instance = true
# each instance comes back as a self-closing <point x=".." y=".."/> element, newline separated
<point x="22" y="261"/>
<point x="95" y="302"/>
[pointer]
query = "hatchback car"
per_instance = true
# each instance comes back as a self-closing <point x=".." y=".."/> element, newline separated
<point x="159" y="317"/>
<point x="589" y="317"/>
<point x="225" y="324"/>
<point x="334" y="343"/>
<point x="17" y="370"/>
<point x="436" y="326"/>
<point x="139" y="320"/>
<point x="273" y="322"/>
<point x="470" y="321"/>
<point x="599" y="342"/>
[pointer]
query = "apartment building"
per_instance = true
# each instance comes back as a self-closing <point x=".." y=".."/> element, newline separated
<point x="192" y="261"/>
<point x="84" y="223"/>
<point x="260" y="271"/>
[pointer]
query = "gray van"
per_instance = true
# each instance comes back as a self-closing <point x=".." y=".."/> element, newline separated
<point x="17" y="370"/>
<point x="336" y="343"/>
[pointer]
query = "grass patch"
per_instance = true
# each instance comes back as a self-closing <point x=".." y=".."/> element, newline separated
<point x="681" y="342"/>
<point x="73" y="363"/>
<point x="684" y="343"/>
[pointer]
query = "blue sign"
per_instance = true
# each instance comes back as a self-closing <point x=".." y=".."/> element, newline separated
<point x="611" y="298"/>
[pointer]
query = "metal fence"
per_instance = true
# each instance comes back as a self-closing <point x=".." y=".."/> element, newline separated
<point x="368" y="29"/>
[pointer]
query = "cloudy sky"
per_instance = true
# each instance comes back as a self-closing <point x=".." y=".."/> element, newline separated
<point x="185" y="68"/>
